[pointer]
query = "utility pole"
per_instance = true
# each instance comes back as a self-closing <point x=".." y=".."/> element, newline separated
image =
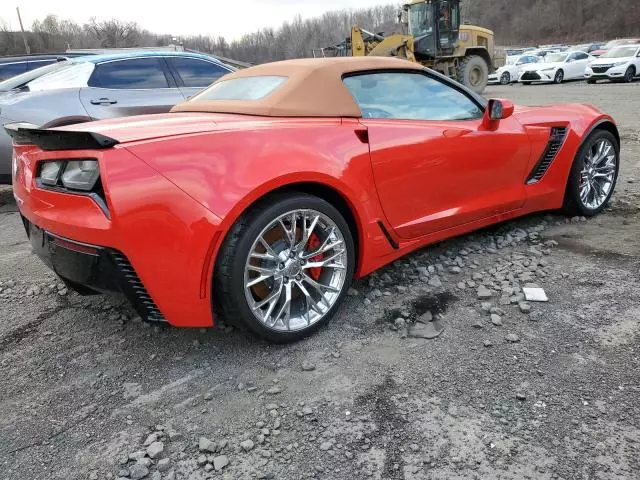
<point x="24" y="35"/>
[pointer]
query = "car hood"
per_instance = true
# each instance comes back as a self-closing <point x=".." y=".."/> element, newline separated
<point x="609" y="61"/>
<point x="542" y="66"/>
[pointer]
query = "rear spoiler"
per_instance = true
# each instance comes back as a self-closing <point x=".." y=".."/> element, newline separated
<point x="28" y="134"/>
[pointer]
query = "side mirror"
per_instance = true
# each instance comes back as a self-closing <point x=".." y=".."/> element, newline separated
<point x="499" y="109"/>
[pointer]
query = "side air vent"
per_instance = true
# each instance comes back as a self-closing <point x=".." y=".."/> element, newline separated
<point x="556" y="139"/>
<point x="135" y="291"/>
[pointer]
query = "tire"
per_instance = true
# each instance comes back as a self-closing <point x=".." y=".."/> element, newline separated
<point x="526" y="83"/>
<point x="573" y="203"/>
<point x="559" y="78"/>
<point x="591" y="81"/>
<point x="473" y="72"/>
<point x="233" y="268"/>
<point x="505" y="78"/>
<point x="629" y="75"/>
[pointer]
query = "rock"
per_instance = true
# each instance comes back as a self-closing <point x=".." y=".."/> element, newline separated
<point x="497" y="311"/>
<point x="150" y="439"/>
<point x="206" y="445"/>
<point x="271" y="406"/>
<point x="307" y="411"/>
<point x="483" y="292"/>
<point x="496" y="319"/>
<point x="324" y="446"/>
<point x="208" y="396"/>
<point x="435" y="282"/>
<point x="426" y="317"/>
<point x="308" y="366"/>
<point x="174" y="435"/>
<point x="488" y="343"/>
<point x="220" y="462"/>
<point x="155" y="449"/>
<point x="247" y="445"/>
<point x="367" y="302"/>
<point x="137" y="471"/>
<point x="521" y="396"/>
<point x="478" y="325"/>
<point x="455" y="270"/>
<point x="156" y="476"/>
<point x="525" y="307"/>
<point x="428" y="330"/>
<point x="352" y="292"/>
<point x="400" y="322"/>
<point x="485" y="307"/>
<point x="273" y="391"/>
<point x="201" y="460"/>
<point x="512" y="338"/>
<point x="164" y="465"/>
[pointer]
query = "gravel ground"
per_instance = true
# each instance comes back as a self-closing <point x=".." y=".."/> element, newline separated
<point x="506" y="390"/>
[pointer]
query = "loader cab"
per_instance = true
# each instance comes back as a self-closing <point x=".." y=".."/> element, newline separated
<point x="434" y="25"/>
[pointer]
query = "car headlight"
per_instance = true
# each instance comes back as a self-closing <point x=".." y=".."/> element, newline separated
<point x="80" y="174"/>
<point x="50" y="172"/>
<point x="619" y="64"/>
<point x="548" y="69"/>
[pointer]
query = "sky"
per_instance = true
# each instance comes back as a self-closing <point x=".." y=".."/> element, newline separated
<point x="229" y="18"/>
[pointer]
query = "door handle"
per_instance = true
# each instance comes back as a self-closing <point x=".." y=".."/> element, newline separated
<point x="103" y="101"/>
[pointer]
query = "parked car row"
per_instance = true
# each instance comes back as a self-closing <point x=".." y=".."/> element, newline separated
<point x="620" y="63"/>
<point x="101" y="86"/>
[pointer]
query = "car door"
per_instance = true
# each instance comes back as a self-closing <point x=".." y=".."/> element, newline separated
<point x="434" y="165"/>
<point x="131" y="86"/>
<point x="580" y="62"/>
<point x="193" y="74"/>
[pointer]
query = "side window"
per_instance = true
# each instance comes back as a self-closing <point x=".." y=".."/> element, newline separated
<point x="137" y="73"/>
<point x="410" y="96"/>
<point x="9" y="70"/>
<point x="197" y="73"/>
<point x="572" y="57"/>
<point x="582" y="56"/>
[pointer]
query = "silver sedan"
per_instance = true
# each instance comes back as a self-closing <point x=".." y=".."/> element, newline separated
<point x="103" y="86"/>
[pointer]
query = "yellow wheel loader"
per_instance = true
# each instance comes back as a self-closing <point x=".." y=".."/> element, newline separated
<point x="435" y="39"/>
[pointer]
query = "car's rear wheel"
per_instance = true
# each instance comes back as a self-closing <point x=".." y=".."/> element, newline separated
<point x="559" y="78"/>
<point x="285" y="267"/>
<point x="629" y="74"/>
<point x="505" y="78"/>
<point x="593" y="175"/>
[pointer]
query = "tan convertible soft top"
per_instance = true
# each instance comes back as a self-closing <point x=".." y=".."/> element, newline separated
<point x="313" y="88"/>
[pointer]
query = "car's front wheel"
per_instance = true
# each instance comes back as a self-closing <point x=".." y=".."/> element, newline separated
<point x="593" y="175"/>
<point x="559" y="78"/>
<point x="284" y="267"/>
<point x="505" y="79"/>
<point x="629" y="74"/>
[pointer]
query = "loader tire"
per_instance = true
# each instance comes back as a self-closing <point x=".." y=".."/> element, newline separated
<point x="473" y="73"/>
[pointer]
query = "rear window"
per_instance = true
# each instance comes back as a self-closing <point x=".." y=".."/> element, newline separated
<point x="9" y="70"/>
<point x="246" y="88"/>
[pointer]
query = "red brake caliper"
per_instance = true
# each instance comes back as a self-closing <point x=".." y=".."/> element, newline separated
<point x="314" y="242"/>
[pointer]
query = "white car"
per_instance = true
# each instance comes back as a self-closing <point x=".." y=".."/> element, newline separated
<point x="619" y="64"/>
<point x="512" y="70"/>
<point x="557" y="67"/>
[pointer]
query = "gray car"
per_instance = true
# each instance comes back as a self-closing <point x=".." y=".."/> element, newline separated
<point x="104" y="86"/>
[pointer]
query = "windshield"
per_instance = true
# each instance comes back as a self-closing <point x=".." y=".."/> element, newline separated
<point x="555" y="57"/>
<point x="24" y="78"/>
<point x="620" y="52"/>
<point x="421" y="19"/>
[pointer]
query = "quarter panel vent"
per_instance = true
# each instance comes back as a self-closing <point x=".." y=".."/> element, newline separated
<point x="556" y="140"/>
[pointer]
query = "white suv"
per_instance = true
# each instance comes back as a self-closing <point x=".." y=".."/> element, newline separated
<point x="619" y="64"/>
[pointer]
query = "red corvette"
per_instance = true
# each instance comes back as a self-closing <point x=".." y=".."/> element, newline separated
<point x="263" y="196"/>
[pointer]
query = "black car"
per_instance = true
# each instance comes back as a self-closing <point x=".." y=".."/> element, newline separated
<point x="15" y="65"/>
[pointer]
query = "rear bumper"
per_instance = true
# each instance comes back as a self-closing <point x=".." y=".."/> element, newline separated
<point x="155" y="243"/>
<point x="92" y="268"/>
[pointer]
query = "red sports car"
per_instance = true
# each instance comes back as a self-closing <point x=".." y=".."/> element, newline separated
<point x="259" y="199"/>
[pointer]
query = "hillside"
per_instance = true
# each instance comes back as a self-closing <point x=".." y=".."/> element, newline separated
<point x="514" y="21"/>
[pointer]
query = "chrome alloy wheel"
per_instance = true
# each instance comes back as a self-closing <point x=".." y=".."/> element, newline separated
<point x="598" y="174"/>
<point x="295" y="270"/>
